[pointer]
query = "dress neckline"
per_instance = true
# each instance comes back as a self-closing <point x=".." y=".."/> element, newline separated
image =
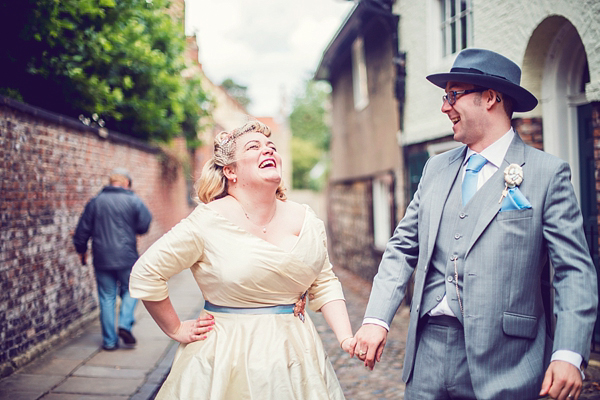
<point x="244" y="231"/>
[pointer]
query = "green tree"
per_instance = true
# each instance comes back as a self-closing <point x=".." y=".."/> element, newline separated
<point x="237" y="91"/>
<point x="119" y="59"/>
<point x="310" y="133"/>
<point x="305" y="155"/>
<point x="308" y="119"/>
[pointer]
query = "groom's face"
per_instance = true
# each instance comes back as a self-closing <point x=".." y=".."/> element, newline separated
<point x="466" y="114"/>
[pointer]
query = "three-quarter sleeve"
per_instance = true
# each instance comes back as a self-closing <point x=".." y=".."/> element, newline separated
<point x="176" y="250"/>
<point x="326" y="286"/>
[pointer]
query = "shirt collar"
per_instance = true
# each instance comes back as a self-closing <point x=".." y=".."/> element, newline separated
<point x="496" y="151"/>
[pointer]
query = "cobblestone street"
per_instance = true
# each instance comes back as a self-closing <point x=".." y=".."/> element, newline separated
<point x="385" y="381"/>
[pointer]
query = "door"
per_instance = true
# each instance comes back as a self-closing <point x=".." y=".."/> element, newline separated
<point x="589" y="205"/>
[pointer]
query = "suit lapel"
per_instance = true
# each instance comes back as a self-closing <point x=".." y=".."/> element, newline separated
<point x="487" y="204"/>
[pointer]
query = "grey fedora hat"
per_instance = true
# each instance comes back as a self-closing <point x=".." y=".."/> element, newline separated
<point x="491" y="70"/>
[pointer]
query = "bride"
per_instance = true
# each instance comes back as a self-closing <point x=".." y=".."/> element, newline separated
<point x="258" y="259"/>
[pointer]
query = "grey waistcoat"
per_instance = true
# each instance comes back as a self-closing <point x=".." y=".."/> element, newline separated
<point x="456" y="227"/>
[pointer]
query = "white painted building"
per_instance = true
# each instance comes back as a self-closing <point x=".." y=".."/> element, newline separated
<point x="554" y="42"/>
<point x="557" y="45"/>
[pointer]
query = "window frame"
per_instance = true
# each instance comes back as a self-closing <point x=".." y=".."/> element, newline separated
<point x="382" y="198"/>
<point x="453" y="39"/>
<point x="360" y="88"/>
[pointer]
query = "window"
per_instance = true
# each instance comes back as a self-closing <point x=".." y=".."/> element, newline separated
<point x="456" y="25"/>
<point x="359" y="75"/>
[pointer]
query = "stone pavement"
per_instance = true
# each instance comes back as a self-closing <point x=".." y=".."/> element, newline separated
<point x="80" y="370"/>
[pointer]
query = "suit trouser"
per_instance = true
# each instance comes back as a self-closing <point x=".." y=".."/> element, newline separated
<point x="440" y="370"/>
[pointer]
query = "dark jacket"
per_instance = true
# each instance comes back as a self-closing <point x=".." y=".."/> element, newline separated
<point x="112" y="219"/>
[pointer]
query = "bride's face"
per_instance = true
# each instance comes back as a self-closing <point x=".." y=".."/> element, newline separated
<point x="257" y="160"/>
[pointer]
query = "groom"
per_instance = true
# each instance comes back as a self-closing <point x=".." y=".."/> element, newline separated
<point x="478" y="235"/>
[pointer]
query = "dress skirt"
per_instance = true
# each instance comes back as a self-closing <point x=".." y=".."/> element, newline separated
<point x="261" y="357"/>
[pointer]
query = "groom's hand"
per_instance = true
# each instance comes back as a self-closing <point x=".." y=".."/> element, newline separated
<point x="562" y="381"/>
<point x="370" y="341"/>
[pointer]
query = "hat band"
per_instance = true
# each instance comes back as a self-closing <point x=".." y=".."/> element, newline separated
<point x="476" y="71"/>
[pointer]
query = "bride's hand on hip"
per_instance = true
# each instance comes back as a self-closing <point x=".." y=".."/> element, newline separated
<point x="193" y="330"/>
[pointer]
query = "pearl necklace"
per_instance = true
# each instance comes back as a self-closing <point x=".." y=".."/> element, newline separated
<point x="264" y="228"/>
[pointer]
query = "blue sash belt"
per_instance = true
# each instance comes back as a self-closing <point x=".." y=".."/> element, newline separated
<point x="280" y="309"/>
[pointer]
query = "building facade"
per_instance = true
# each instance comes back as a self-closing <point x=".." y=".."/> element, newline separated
<point x="555" y="42"/>
<point x="366" y="172"/>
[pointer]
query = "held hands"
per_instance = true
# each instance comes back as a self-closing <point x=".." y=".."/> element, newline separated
<point x="348" y="345"/>
<point x="193" y="330"/>
<point x="562" y="381"/>
<point x="370" y="341"/>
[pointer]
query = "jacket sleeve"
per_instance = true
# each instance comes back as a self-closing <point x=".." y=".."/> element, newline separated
<point x="143" y="219"/>
<point x="84" y="228"/>
<point x="575" y="284"/>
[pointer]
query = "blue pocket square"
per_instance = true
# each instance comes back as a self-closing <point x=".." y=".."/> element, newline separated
<point x="514" y="200"/>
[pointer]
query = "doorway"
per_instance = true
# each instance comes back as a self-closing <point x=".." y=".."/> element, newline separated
<point x="589" y="204"/>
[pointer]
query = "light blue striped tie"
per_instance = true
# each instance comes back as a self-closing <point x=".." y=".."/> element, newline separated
<point x="469" y="185"/>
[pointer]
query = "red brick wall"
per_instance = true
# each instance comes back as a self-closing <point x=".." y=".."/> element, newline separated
<point x="530" y="130"/>
<point x="596" y="127"/>
<point x="50" y="167"/>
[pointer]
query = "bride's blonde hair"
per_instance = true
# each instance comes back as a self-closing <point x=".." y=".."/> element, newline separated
<point x="213" y="183"/>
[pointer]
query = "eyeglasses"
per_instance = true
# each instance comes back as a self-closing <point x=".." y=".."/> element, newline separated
<point x="452" y="95"/>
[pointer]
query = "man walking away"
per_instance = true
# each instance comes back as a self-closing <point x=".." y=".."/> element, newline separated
<point x="113" y="219"/>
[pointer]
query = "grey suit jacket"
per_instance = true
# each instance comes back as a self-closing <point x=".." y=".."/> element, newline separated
<point x="507" y="342"/>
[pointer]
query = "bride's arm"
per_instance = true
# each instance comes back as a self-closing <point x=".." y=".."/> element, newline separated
<point x="336" y="315"/>
<point x="184" y="332"/>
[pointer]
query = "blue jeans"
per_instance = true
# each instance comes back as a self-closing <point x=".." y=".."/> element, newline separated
<point x="109" y="281"/>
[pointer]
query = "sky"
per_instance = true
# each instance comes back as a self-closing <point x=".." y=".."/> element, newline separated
<point x="271" y="46"/>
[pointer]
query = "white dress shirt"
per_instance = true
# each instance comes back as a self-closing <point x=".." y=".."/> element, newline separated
<point x="494" y="154"/>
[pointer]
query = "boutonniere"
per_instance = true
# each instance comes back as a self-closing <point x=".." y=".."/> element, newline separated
<point x="513" y="176"/>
